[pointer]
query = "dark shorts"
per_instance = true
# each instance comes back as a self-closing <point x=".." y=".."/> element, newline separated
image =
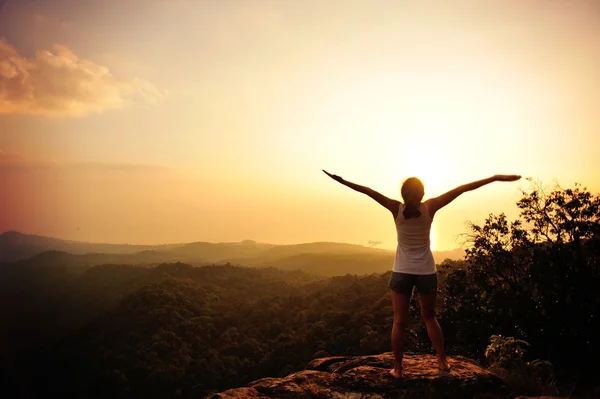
<point x="404" y="283"/>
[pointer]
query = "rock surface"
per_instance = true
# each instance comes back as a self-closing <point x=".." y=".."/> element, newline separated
<point x="540" y="397"/>
<point x="367" y="377"/>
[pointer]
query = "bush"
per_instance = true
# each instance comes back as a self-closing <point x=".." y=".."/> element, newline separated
<point x="506" y="358"/>
<point x="534" y="278"/>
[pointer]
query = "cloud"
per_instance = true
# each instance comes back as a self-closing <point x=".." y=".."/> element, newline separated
<point x="59" y="83"/>
<point x="119" y="167"/>
<point x="12" y="161"/>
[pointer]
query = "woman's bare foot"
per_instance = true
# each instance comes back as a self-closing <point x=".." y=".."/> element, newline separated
<point x="396" y="373"/>
<point x="443" y="364"/>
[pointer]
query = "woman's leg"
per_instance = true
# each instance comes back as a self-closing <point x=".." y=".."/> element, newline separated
<point x="434" y="330"/>
<point x="400" y="303"/>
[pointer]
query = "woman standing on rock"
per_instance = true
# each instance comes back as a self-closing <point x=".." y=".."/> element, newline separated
<point x="414" y="265"/>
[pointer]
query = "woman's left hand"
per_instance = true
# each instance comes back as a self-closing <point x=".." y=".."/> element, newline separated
<point x="334" y="177"/>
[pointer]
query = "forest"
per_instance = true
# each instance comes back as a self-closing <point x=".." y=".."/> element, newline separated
<point x="177" y="330"/>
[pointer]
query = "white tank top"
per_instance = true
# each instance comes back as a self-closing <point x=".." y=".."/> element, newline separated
<point x="413" y="254"/>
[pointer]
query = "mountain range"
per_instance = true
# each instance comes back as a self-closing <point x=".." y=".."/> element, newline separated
<point x="321" y="258"/>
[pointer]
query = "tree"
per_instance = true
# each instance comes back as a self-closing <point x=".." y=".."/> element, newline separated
<point x="534" y="278"/>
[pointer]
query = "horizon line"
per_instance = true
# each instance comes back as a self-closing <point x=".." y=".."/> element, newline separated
<point x="208" y="242"/>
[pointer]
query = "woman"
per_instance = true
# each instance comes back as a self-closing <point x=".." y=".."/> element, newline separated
<point x="414" y="265"/>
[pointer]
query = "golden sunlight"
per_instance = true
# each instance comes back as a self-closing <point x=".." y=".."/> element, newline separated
<point x="432" y="238"/>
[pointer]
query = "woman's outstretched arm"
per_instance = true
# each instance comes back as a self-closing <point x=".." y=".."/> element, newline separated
<point x="390" y="204"/>
<point x="435" y="204"/>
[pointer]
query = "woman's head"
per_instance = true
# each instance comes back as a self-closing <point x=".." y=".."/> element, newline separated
<point x="412" y="190"/>
<point x="412" y="193"/>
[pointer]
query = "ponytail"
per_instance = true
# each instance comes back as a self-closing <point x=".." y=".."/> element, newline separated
<point x="411" y="210"/>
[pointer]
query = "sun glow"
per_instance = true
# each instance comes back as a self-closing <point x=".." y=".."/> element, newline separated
<point x="432" y="238"/>
<point x="422" y="129"/>
<point x="431" y="166"/>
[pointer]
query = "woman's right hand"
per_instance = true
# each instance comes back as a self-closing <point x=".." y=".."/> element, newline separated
<point x="507" y="177"/>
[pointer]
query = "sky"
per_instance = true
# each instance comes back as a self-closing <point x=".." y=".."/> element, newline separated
<point x="167" y="121"/>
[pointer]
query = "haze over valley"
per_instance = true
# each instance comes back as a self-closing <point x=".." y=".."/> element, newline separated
<point x="322" y="258"/>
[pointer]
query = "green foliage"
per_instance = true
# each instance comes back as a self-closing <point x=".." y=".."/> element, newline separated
<point x="506" y="357"/>
<point x="151" y="332"/>
<point x="535" y="278"/>
<point x="505" y="351"/>
<point x="560" y="215"/>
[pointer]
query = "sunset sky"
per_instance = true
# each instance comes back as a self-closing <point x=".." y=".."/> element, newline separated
<point x="164" y="121"/>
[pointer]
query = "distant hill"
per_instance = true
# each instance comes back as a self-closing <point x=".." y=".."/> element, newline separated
<point x="320" y="258"/>
<point x="219" y="252"/>
<point x="17" y="246"/>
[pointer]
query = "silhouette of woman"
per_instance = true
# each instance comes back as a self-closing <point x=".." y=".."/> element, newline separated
<point x="414" y="265"/>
